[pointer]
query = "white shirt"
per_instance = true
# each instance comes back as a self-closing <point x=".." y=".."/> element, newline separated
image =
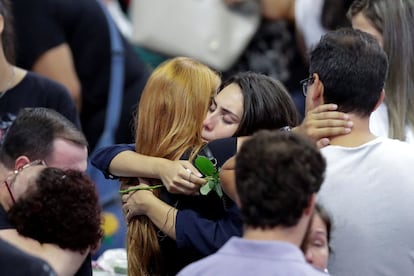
<point x="378" y="124"/>
<point x="369" y="191"/>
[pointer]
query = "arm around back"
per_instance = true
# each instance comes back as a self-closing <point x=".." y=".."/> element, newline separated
<point x="102" y="159"/>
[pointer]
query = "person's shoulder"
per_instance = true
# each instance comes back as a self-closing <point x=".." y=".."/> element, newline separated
<point x="39" y="83"/>
<point x="223" y="149"/>
<point x="13" y="261"/>
<point x="205" y="266"/>
<point x="397" y="147"/>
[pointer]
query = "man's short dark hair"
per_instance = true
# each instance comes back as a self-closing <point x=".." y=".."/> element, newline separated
<point x="276" y="175"/>
<point x="33" y="132"/>
<point x="352" y="67"/>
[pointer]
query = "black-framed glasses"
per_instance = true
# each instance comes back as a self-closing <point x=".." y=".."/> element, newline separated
<point x="305" y="83"/>
<point x="9" y="181"/>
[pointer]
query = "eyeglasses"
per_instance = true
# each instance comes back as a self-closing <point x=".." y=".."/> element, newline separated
<point x="305" y="84"/>
<point x="9" y="182"/>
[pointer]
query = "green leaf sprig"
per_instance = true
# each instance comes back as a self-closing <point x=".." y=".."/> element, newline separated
<point x="211" y="173"/>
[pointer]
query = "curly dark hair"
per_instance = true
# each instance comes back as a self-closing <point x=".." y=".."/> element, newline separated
<point x="276" y="175"/>
<point x="62" y="207"/>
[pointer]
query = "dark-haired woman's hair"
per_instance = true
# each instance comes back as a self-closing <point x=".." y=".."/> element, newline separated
<point x="8" y="37"/>
<point x="326" y="219"/>
<point x="266" y="103"/>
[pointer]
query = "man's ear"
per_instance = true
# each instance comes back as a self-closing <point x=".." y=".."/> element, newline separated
<point x="21" y="161"/>
<point x="317" y="91"/>
<point x="314" y="97"/>
<point x="1" y="24"/>
<point x="380" y="100"/>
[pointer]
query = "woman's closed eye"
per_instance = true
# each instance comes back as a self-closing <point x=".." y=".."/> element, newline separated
<point x="318" y="242"/>
<point x="228" y="119"/>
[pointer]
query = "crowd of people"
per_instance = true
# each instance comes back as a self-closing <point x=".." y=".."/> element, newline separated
<point x="321" y="188"/>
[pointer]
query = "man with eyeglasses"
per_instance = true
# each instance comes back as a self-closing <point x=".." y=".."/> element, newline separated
<point x="40" y="136"/>
<point x="368" y="187"/>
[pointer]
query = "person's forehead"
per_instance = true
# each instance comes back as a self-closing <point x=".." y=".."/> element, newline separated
<point x="68" y="155"/>
<point x="231" y="98"/>
<point x="318" y="223"/>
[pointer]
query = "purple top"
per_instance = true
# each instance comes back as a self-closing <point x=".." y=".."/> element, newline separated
<point x="252" y="257"/>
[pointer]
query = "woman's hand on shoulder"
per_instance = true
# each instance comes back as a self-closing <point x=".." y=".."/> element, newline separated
<point x="323" y="122"/>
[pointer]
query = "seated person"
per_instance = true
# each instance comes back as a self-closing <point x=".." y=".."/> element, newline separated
<point x="58" y="206"/>
<point x="41" y="134"/>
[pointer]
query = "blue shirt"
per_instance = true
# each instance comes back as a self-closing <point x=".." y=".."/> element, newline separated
<point x="252" y="257"/>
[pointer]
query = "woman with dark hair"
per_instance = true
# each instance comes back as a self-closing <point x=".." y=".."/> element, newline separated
<point x="315" y="245"/>
<point x="59" y="207"/>
<point x="246" y="103"/>
<point x="258" y="102"/>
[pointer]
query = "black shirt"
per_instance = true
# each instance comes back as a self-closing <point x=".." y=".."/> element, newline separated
<point x="42" y="25"/>
<point x="13" y="261"/>
<point x="37" y="91"/>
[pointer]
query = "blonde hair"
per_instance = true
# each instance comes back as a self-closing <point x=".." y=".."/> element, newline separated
<point x="171" y="111"/>
<point x="394" y="20"/>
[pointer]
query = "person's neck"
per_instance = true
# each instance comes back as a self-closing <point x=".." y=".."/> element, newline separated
<point x="294" y="234"/>
<point x="359" y="135"/>
<point x="4" y="172"/>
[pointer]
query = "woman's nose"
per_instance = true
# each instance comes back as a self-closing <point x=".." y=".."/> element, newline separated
<point x="308" y="256"/>
<point x="208" y="122"/>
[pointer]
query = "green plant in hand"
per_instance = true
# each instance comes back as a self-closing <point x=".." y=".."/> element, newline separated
<point x="127" y="191"/>
<point x="211" y="173"/>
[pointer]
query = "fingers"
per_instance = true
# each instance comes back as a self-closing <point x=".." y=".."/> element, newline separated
<point x="331" y="123"/>
<point x="187" y="181"/>
<point x="330" y="115"/>
<point x="188" y="166"/>
<point x="182" y="178"/>
<point x="320" y="133"/>
<point x="127" y="213"/>
<point x="324" y="107"/>
<point x="125" y="209"/>
<point x="194" y="179"/>
<point x="322" y="143"/>
<point x="125" y="198"/>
